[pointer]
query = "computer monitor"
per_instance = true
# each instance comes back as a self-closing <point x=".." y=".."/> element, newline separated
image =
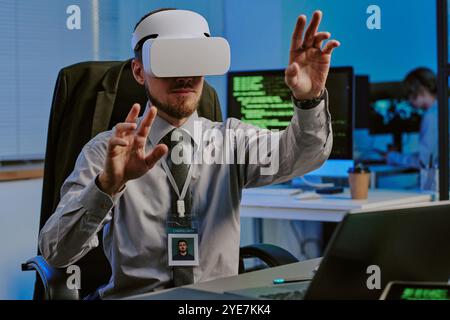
<point x="362" y="101"/>
<point x="263" y="99"/>
<point x="391" y="113"/>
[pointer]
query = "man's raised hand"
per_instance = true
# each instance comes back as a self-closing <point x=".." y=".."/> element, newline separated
<point x="126" y="158"/>
<point x="309" y="62"/>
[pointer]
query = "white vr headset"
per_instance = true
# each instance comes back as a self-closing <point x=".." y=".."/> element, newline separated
<point x="177" y="43"/>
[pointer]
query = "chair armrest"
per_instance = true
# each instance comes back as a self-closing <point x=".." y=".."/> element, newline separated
<point x="271" y="255"/>
<point x="53" y="279"/>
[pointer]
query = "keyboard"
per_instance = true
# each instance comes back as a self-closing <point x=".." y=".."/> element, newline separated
<point x="290" y="295"/>
<point x="288" y="291"/>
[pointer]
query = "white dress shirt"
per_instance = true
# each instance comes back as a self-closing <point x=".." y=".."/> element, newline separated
<point x="134" y="221"/>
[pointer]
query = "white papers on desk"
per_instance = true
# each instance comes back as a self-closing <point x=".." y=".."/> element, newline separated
<point x="307" y="196"/>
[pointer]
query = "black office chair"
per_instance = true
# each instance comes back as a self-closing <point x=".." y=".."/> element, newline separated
<point x="89" y="98"/>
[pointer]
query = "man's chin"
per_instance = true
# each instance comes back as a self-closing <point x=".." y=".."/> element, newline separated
<point x="180" y="110"/>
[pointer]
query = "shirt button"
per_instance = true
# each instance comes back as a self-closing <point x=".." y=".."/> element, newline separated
<point x="104" y="205"/>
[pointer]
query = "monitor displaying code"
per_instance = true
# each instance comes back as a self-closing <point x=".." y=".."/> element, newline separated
<point x="262" y="98"/>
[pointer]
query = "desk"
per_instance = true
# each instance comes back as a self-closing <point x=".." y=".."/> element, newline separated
<point x="303" y="269"/>
<point x="276" y="203"/>
<point x="21" y="172"/>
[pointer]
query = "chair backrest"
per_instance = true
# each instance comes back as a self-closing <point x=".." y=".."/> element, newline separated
<point x="89" y="98"/>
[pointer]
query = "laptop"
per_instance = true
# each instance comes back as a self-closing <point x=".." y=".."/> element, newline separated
<point x="369" y="250"/>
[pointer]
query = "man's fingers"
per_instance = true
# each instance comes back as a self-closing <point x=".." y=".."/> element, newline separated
<point x="146" y="123"/>
<point x="312" y="29"/>
<point x="297" y="36"/>
<point x="122" y="128"/>
<point x="291" y="74"/>
<point x="330" y="46"/>
<point x="134" y="113"/>
<point x="157" y="153"/>
<point x="116" y="141"/>
<point x="319" y="38"/>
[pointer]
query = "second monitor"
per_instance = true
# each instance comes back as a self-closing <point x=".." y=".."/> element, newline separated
<point x="262" y="98"/>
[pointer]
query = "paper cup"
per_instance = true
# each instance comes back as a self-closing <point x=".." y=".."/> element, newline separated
<point x="359" y="185"/>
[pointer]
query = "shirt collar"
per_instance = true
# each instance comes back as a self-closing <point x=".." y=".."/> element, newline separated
<point x="160" y="128"/>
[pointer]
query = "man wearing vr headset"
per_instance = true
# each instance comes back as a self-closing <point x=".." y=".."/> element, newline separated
<point x="123" y="183"/>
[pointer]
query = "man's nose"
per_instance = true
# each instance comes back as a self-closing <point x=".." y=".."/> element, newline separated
<point x="183" y="80"/>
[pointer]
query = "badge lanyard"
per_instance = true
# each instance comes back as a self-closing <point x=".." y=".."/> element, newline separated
<point x="180" y="202"/>
<point x="181" y="209"/>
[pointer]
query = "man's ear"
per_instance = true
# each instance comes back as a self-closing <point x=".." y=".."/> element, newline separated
<point x="138" y="71"/>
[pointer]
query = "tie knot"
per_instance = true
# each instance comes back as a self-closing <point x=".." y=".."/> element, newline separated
<point x="167" y="139"/>
<point x="175" y="136"/>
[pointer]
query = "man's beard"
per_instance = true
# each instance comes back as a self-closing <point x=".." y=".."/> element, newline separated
<point x="180" y="110"/>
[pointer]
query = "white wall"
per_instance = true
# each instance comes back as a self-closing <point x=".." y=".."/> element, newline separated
<point x="19" y="223"/>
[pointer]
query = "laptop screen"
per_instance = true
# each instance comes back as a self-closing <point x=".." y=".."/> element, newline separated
<point x="368" y="250"/>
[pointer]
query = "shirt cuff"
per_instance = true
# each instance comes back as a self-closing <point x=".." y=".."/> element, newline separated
<point x="309" y="104"/>
<point x="317" y="117"/>
<point x="96" y="202"/>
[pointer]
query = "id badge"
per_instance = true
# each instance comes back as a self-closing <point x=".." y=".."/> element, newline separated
<point x="182" y="244"/>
